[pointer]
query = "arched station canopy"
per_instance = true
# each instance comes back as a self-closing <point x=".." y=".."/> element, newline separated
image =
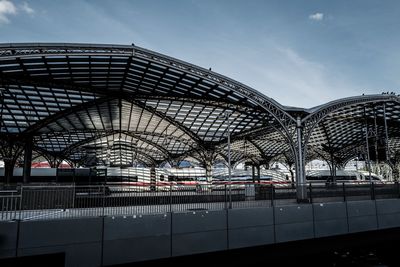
<point x="122" y="104"/>
<point x="76" y="99"/>
<point x="340" y="130"/>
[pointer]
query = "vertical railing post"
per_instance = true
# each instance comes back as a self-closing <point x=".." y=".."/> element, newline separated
<point x="170" y="198"/>
<point x="20" y="203"/>
<point x="272" y="195"/>
<point x="372" y="187"/>
<point x="398" y="189"/>
<point x="103" y="200"/>
<point x="73" y="195"/>
<point x="230" y="195"/>
<point x="344" y="192"/>
<point x="226" y="206"/>
<point x="310" y="189"/>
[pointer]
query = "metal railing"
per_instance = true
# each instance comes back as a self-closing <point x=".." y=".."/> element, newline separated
<point x="28" y="202"/>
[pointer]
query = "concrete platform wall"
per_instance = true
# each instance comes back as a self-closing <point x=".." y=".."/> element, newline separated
<point x="124" y="239"/>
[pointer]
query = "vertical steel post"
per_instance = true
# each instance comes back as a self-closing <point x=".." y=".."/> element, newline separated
<point x="209" y="166"/>
<point x="227" y="117"/>
<point x="20" y="202"/>
<point x="253" y="172"/>
<point x="387" y="154"/>
<point x="226" y="206"/>
<point x="272" y="194"/>
<point x="368" y="159"/>
<point x="398" y="189"/>
<point x="103" y="199"/>
<point x="344" y="192"/>
<point x="367" y="144"/>
<point x="301" y="189"/>
<point x="170" y="198"/>
<point x="8" y="169"/>
<point x="27" y="160"/>
<point x="372" y="188"/>
<point x="376" y="140"/>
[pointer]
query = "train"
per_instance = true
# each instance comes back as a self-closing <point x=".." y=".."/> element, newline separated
<point x="140" y="176"/>
<point x="342" y="176"/>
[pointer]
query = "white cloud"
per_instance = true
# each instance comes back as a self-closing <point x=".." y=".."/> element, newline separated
<point x="317" y="16"/>
<point x="6" y="8"/>
<point x="26" y="8"/>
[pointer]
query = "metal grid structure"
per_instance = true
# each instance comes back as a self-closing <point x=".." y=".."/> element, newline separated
<point x="119" y="104"/>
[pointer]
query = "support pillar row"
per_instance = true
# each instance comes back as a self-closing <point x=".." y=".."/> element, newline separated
<point x="209" y="170"/>
<point x="301" y="187"/>
<point x="27" y="160"/>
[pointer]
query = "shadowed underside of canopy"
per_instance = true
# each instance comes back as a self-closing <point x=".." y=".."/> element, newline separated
<point x="107" y="104"/>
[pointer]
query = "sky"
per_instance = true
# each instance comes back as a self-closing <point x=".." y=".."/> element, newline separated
<point x="300" y="53"/>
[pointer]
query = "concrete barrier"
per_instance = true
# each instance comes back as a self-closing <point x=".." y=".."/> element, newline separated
<point x="250" y="227"/>
<point x="362" y="216"/>
<point x="330" y="219"/>
<point x="199" y="232"/>
<point x="293" y="223"/>
<point x="125" y="239"/>
<point x="136" y="238"/>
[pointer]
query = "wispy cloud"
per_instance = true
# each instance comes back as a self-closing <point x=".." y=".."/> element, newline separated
<point x="288" y="76"/>
<point x="316" y="16"/>
<point x="26" y="8"/>
<point x="6" y="8"/>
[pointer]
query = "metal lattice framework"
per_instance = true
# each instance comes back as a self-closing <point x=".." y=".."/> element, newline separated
<point x="122" y="104"/>
<point x="73" y="96"/>
<point x="339" y="127"/>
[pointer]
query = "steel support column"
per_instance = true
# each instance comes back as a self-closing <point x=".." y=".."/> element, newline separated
<point x="387" y="152"/>
<point x="333" y="167"/>
<point x="376" y="139"/>
<point x="153" y="179"/>
<point x="366" y="130"/>
<point x="8" y="169"/>
<point x="27" y="160"/>
<point x="290" y="168"/>
<point x="301" y="187"/>
<point x="368" y="158"/>
<point x="207" y="157"/>
<point x="10" y="151"/>
<point x="396" y="171"/>
<point x="209" y="171"/>
<point x="258" y="173"/>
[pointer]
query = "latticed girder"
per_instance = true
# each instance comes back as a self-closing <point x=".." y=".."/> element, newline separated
<point x="346" y="130"/>
<point x="74" y="98"/>
<point x="81" y="91"/>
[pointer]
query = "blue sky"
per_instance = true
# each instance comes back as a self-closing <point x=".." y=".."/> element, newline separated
<point x="301" y="53"/>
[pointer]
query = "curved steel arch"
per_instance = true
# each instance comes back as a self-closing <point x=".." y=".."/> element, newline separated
<point x="166" y="118"/>
<point x="63" y="113"/>
<point x="142" y="152"/>
<point x="246" y="95"/>
<point x="80" y="107"/>
<point x="71" y="148"/>
<point x="51" y="49"/>
<point x="291" y="123"/>
<point x="320" y="112"/>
